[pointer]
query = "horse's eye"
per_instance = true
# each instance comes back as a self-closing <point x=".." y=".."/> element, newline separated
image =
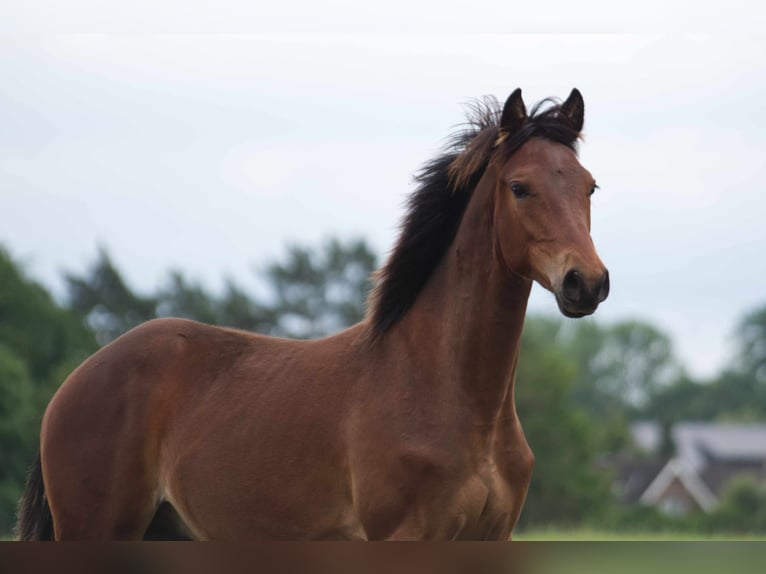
<point x="594" y="188"/>
<point x="519" y="190"/>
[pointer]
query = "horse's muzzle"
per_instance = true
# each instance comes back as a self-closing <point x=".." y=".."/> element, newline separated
<point x="580" y="296"/>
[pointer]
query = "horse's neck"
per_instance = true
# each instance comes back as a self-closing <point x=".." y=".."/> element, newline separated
<point x="470" y="315"/>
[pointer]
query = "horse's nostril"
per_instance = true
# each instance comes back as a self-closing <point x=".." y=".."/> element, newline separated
<point x="572" y="286"/>
<point x="603" y="291"/>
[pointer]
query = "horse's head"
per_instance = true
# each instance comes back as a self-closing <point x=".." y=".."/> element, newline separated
<point x="542" y="204"/>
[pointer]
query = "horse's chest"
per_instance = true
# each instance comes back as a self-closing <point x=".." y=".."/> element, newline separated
<point x="423" y="491"/>
<point x="494" y="491"/>
<point x="486" y="505"/>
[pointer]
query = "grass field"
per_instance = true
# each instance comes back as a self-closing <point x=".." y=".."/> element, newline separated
<point x="644" y="553"/>
<point x="588" y="535"/>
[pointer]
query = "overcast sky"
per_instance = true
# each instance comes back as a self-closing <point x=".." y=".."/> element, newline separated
<point x="209" y="153"/>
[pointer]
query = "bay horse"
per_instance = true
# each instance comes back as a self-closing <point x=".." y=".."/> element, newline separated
<point x="400" y="427"/>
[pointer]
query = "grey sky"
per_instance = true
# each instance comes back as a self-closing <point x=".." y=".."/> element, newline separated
<point x="209" y="153"/>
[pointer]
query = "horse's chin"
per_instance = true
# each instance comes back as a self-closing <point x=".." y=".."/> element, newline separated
<point x="575" y="313"/>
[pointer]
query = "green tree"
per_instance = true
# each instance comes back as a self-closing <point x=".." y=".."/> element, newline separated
<point x="737" y="393"/>
<point x="314" y="291"/>
<point x="34" y="328"/>
<point x="622" y="364"/>
<point x="319" y="291"/>
<point x="578" y="383"/>
<point x="751" y="337"/>
<point x="566" y="485"/>
<point x="234" y="308"/>
<point x="105" y="302"/>
<point x="17" y="431"/>
<point x="238" y="310"/>
<point x="742" y="508"/>
<point x="186" y="299"/>
<point x="730" y="396"/>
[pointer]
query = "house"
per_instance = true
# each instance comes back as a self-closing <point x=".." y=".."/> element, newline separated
<point x="706" y="456"/>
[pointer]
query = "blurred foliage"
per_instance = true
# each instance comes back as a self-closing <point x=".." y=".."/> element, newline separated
<point x="751" y="338"/>
<point x="579" y="383"/>
<point x="741" y="511"/>
<point x="563" y="439"/>
<point x="742" y="508"/>
<point x="234" y="308"/>
<point x="730" y="396"/>
<point x="318" y="292"/>
<point x="17" y="430"/>
<point x="108" y="306"/>
<point x="313" y="292"/>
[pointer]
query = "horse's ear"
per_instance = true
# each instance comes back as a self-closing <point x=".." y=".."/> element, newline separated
<point x="573" y="110"/>
<point x="514" y="113"/>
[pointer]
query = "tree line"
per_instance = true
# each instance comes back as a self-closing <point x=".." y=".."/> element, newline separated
<point x="579" y="383"/>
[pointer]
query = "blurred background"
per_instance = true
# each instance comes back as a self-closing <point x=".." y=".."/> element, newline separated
<point x="255" y="181"/>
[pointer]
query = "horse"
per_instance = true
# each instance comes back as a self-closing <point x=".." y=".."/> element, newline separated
<point x="401" y="427"/>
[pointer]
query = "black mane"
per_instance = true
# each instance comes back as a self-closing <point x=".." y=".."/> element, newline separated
<point x="445" y="185"/>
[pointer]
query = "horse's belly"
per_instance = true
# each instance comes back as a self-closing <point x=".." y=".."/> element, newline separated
<point x="231" y="494"/>
<point x="238" y="514"/>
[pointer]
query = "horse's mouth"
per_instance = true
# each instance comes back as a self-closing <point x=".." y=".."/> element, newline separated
<point x="575" y="313"/>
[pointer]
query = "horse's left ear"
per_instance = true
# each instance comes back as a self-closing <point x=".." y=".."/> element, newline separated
<point x="514" y="113"/>
<point x="573" y="110"/>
